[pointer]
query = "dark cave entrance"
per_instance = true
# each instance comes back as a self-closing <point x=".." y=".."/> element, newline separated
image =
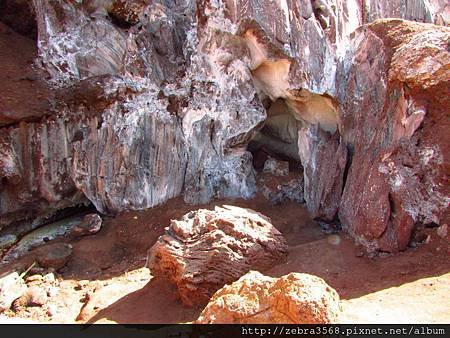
<point x="278" y="137"/>
<point x="275" y="154"/>
<point x="20" y="16"/>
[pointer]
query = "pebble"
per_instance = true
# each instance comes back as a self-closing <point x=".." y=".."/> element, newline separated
<point x="33" y="296"/>
<point x="334" y="239"/>
<point x="442" y="231"/>
<point x="51" y="310"/>
<point x="49" y="278"/>
<point x="36" y="296"/>
<point x="52" y="291"/>
<point x="33" y="279"/>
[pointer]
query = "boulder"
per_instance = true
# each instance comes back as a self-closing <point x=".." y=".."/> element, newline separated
<point x="296" y="298"/>
<point x="207" y="249"/>
<point x="53" y="255"/>
<point x="12" y="287"/>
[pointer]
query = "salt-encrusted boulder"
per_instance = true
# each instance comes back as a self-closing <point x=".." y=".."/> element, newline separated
<point x="207" y="249"/>
<point x="296" y="298"/>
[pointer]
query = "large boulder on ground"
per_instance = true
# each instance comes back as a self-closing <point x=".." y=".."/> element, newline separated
<point x="207" y="249"/>
<point x="296" y="298"/>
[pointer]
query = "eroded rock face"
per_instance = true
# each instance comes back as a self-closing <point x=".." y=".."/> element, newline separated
<point x="207" y="249"/>
<point x="296" y="298"/>
<point x="156" y="99"/>
<point x="396" y="131"/>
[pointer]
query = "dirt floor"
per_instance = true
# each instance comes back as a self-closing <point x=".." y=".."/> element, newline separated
<point x="106" y="279"/>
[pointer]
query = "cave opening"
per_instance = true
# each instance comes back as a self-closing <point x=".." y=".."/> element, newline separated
<point x="278" y="137"/>
<point x="275" y="154"/>
<point x="20" y="16"/>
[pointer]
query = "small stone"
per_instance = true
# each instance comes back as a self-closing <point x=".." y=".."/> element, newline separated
<point x="296" y="298"/>
<point x="54" y="255"/>
<point x="33" y="296"/>
<point x="36" y="296"/>
<point x="442" y="231"/>
<point x="90" y="225"/>
<point x="359" y="253"/>
<point x="276" y="167"/>
<point x="33" y="279"/>
<point x="50" y="277"/>
<point x="51" y="310"/>
<point x="52" y="291"/>
<point x="12" y="287"/>
<point x="334" y="239"/>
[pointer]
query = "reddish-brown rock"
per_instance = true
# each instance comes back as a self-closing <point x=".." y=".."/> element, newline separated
<point x="394" y="104"/>
<point x="149" y="100"/>
<point x="296" y="298"/>
<point x="207" y="249"/>
<point x="53" y="255"/>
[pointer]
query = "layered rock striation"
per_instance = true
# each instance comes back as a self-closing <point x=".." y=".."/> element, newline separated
<point x="207" y="249"/>
<point x="156" y="99"/>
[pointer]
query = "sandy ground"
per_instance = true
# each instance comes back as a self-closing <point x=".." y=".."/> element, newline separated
<point x="106" y="279"/>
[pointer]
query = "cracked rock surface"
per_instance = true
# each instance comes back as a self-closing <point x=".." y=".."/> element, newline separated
<point x="207" y="249"/>
<point x="296" y="298"/>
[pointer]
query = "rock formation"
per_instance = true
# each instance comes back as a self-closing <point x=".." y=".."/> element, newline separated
<point x="393" y="119"/>
<point x="296" y="298"/>
<point x="207" y="249"/>
<point x="149" y="100"/>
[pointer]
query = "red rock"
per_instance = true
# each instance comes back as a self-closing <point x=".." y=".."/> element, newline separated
<point x="53" y="255"/>
<point x="90" y="225"/>
<point x="397" y="132"/>
<point x="296" y="298"/>
<point x="207" y="249"/>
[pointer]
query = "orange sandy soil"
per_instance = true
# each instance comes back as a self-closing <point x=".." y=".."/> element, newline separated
<point x="106" y="279"/>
